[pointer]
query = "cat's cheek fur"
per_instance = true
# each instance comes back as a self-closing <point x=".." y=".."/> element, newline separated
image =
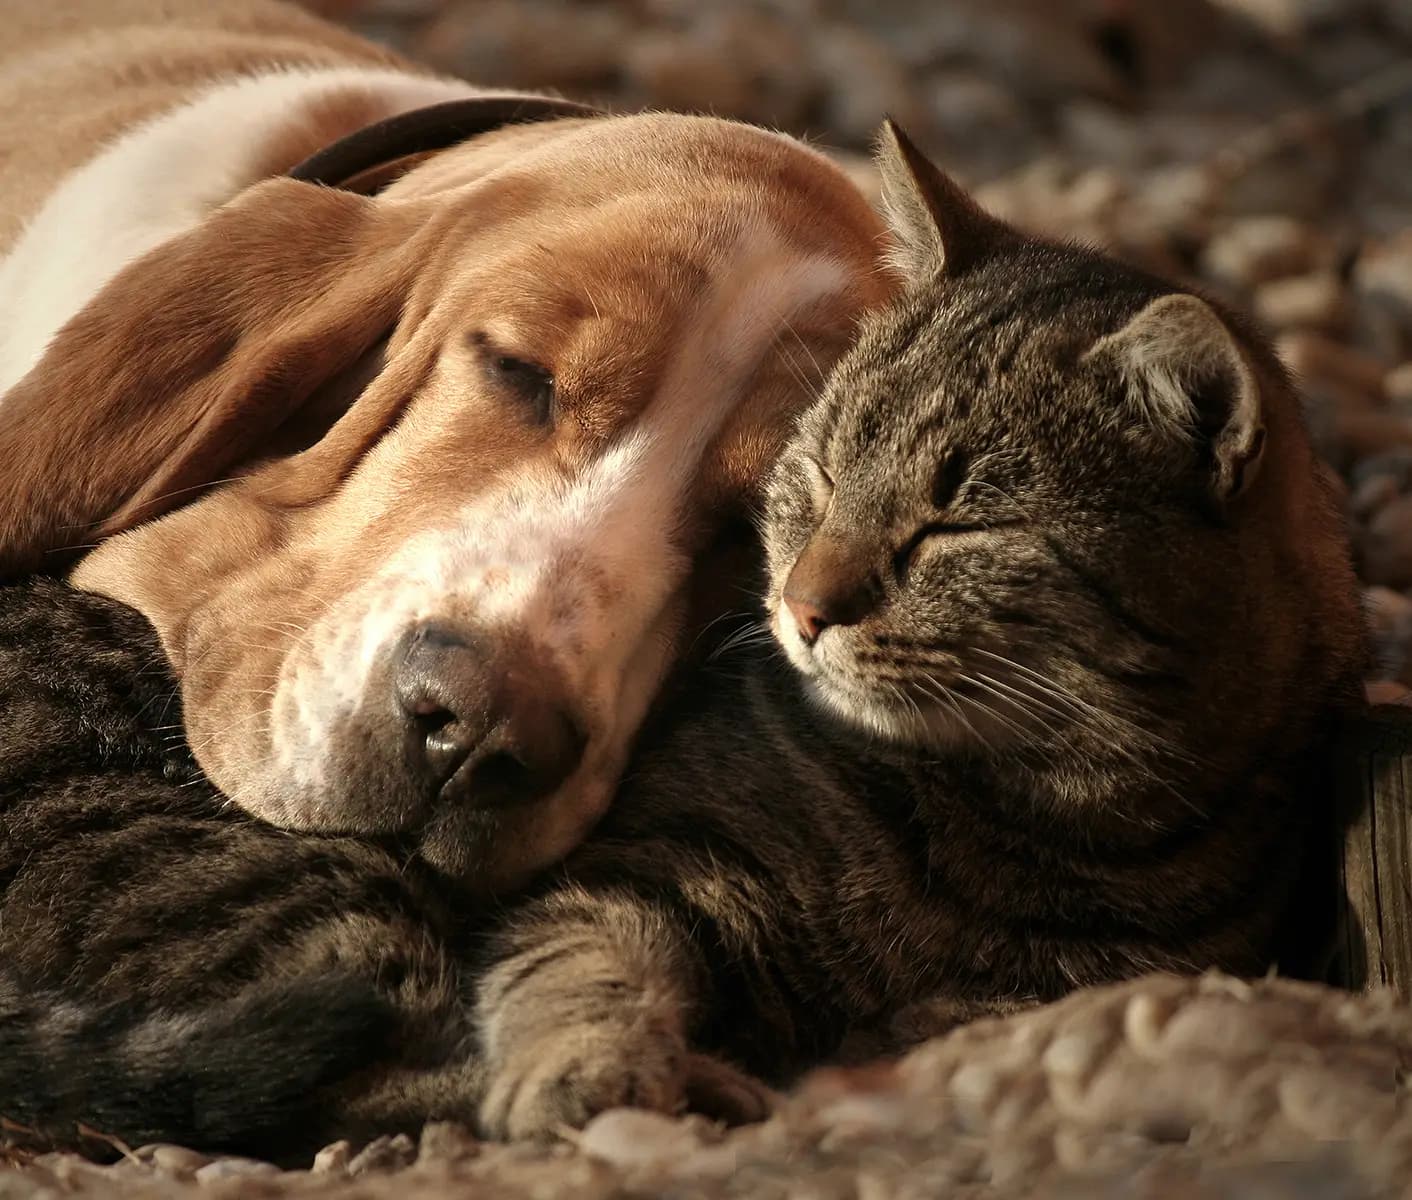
<point x="786" y="630"/>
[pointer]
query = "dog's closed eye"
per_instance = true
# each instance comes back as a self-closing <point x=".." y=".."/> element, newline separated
<point x="528" y="383"/>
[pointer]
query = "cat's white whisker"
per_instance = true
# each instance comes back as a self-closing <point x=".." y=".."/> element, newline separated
<point x="733" y="614"/>
<point x="1126" y="734"/>
<point x="942" y="694"/>
<point x="1024" y="699"/>
<point x="1004" y="495"/>
<point x="755" y="634"/>
<point x="1014" y="727"/>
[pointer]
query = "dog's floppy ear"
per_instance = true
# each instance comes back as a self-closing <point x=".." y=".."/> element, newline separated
<point x="188" y="362"/>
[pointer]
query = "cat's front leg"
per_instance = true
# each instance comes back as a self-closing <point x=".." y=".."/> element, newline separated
<point x="588" y="1005"/>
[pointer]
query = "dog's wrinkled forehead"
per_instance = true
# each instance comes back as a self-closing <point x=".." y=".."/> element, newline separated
<point x="576" y="530"/>
<point x="582" y="549"/>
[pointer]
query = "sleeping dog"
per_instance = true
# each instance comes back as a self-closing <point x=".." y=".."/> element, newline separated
<point x="411" y="415"/>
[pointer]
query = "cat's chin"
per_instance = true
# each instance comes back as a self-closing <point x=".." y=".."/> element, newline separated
<point x="919" y="723"/>
<point x="922" y="724"/>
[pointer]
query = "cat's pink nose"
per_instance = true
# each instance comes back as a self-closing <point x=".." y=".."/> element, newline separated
<point x="808" y="616"/>
<point x="832" y="583"/>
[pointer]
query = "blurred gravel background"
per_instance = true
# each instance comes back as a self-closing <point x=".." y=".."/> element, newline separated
<point x="1262" y="147"/>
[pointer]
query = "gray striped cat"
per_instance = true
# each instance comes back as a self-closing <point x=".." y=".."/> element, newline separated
<point x="1068" y="621"/>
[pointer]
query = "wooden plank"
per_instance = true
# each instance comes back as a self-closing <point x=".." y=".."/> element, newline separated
<point x="1375" y="795"/>
<point x="1360" y="951"/>
<point x="1392" y="804"/>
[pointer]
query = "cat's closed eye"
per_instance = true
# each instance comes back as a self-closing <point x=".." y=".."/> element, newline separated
<point x="821" y="485"/>
<point x="912" y="548"/>
<point x="951" y="474"/>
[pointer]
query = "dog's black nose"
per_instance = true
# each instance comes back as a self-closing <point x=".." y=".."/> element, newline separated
<point x="481" y="728"/>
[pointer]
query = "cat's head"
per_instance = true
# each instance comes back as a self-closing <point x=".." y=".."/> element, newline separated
<point x="1050" y="499"/>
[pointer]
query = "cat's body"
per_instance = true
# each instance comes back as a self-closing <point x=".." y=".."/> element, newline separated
<point x="1065" y="664"/>
<point x="169" y="966"/>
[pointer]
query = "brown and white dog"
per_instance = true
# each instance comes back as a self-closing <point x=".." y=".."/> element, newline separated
<point x="441" y="465"/>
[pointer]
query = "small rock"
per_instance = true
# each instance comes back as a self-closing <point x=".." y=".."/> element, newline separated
<point x="1314" y="357"/>
<point x="1176" y="197"/>
<point x="222" y="1170"/>
<point x="666" y="67"/>
<point x="1031" y="197"/>
<point x="731" y="62"/>
<point x="1397" y="387"/>
<point x="1398" y="14"/>
<point x="1381" y="325"/>
<point x="1095" y="197"/>
<point x="1168" y="40"/>
<point x="332" y="1159"/>
<point x="1224" y="82"/>
<point x="1359" y="433"/>
<point x="865" y="83"/>
<point x="384" y="1154"/>
<point x="1382" y="279"/>
<point x="1285" y="18"/>
<point x="1387" y="691"/>
<point x="1033" y="47"/>
<point x="1373" y="493"/>
<point x="1396" y="463"/>
<point x="1346" y="423"/>
<point x="1294" y="179"/>
<point x="977" y="120"/>
<point x="1389" y="615"/>
<point x="526" y="43"/>
<point x="1101" y="133"/>
<point x="1317" y="301"/>
<point x="1387" y="545"/>
<point x="172" y="1160"/>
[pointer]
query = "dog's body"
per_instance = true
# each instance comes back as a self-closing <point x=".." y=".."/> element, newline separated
<point x="474" y="434"/>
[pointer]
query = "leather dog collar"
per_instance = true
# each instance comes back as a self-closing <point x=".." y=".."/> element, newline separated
<point x="366" y="160"/>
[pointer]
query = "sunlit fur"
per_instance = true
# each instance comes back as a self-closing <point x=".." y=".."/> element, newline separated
<point x="1105" y="614"/>
<point x="1083" y="739"/>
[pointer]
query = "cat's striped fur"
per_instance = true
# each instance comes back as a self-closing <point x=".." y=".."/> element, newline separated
<point x="1081" y="624"/>
<point x="168" y="966"/>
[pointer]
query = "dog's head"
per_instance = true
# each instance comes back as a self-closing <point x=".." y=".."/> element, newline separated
<point x="474" y="441"/>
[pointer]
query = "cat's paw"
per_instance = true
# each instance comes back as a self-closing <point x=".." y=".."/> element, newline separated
<point x="726" y="1093"/>
<point x="564" y="1079"/>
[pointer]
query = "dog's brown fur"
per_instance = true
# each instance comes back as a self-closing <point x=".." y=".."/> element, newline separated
<point x="595" y="248"/>
<point x="76" y="75"/>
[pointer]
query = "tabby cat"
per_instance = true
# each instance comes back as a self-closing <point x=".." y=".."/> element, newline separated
<point x="1067" y="618"/>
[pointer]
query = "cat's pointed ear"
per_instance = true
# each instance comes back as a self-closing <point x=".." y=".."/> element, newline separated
<point x="1187" y="376"/>
<point x="935" y="224"/>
